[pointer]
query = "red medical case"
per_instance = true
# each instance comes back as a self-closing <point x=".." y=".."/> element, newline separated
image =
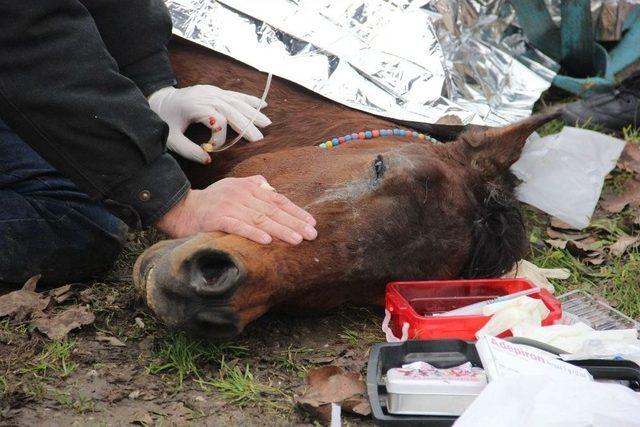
<point x="416" y="302"/>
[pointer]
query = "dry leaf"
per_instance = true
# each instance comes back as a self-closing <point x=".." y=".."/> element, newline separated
<point x="630" y="158"/>
<point x="110" y="339"/>
<point x="584" y="248"/>
<point x="24" y="303"/>
<point x="58" y="326"/>
<point x="86" y="296"/>
<point x="61" y="294"/>
<point x="595" y="261"/>
<point x="320" y="360"/>
<point x="141" y="417"/>
<point x="56" y="292"/>
<point x="566" y="236"/>
<point x="362" y="408"/>
<point x="331" y="384"/>
<point x="178" y="413"/>
<point x="139" y="322"/>
<point x="556" y="223"/>
<point x="630" y="196"/>
<point x="623" y="243"/>
<point x="556" y="243"/>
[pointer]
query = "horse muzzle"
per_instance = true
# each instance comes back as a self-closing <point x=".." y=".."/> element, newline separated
<point x="191" y="289"/>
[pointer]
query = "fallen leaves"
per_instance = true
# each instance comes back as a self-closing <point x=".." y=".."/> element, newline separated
<point x="566" y="235"/>
<point x="556" y="223"/>
<point x="27" y="304"/>
<point x="58" y="326"/>
<point x="109" y="339"/>
<point x="630" y="158"/>
<point x="623" y="243"/>
<point x="331" y="384"/>
<point x="24" y="303"/>
<point x="582" y="245"/>
<point x="630" y="196"/>
<point x="589" y="246"/>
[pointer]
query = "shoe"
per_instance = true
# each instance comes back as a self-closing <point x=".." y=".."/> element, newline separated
<point x="612" y="111"/>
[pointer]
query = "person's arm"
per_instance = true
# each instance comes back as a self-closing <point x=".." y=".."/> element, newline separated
<point x="136" y="34"/>
<point x="63" y="93"/>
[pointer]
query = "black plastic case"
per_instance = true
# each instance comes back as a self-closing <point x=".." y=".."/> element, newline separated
<point x="449" y="353"/>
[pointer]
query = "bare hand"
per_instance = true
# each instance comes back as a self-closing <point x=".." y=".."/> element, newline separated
<point x="242" y="206"/>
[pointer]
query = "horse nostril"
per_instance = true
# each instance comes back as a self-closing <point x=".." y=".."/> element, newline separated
<point x="213" y="273"/>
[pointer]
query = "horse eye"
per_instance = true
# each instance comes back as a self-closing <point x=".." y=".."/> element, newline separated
<point x="378" y="167"/>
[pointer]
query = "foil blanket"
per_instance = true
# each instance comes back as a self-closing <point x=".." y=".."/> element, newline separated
<point x="439" y="61"/>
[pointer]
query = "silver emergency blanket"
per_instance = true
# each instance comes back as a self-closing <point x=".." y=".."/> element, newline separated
<point x="439" y="61"/>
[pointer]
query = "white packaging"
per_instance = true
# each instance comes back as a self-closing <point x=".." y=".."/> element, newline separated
<point x="563" y="174"/>
<point x="421" y="389"/>
<point x="501" y="358"/>
<point x="535" y="401"/>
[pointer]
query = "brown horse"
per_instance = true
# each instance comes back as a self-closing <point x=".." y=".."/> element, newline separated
<point x="387" y="209"/>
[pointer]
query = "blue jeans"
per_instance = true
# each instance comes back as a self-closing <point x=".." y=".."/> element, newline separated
<point x="47" y="225"/>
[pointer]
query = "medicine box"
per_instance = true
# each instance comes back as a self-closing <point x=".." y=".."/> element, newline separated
<point x="422" y="389"/>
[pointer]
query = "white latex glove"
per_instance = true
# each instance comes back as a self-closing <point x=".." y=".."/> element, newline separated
<point x="523" y="313"/>
<point x="526" y="270"/>
<point x="211" y="106"/>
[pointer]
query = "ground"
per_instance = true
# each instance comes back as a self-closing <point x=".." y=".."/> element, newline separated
<point x="127" y="368"/>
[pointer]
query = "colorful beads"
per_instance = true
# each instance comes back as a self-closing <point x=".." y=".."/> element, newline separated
<point x="370" y="134"/>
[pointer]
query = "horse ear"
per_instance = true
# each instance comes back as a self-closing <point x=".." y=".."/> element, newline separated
<point x="495" y="149"/>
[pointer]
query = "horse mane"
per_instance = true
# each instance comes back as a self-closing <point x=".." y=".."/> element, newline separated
<point x="499" y="236"/>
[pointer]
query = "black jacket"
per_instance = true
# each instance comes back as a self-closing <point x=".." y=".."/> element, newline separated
<point x="73" y="79"/>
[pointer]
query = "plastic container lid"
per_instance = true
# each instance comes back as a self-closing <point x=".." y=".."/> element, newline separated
<point x="423" y="378"/>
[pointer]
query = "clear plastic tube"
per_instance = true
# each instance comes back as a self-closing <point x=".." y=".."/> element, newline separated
<point x="476" y="308"/>
<point x="267" y="87"/>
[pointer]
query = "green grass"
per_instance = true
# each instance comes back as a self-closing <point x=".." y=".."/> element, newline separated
<point x="183" y="356"/>
<point x="364" y="335"/>
<point x="55" y="359"/>
<point x="621" y="285"/>
<point x="10" y="332"/>
<point x="289" y="360"/>
<point x="299" y="360"/>
<point x="362" y="327"/>
<point x="79" y="404"/>
<point x="549" y="128"/>
<point x="239" y="386"/>
<point x="631" y="134"/>
<point x="556" y="125"/>
<point x="617" y="280"/>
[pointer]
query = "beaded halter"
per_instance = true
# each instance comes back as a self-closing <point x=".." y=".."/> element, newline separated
<point x="370" y="134"/>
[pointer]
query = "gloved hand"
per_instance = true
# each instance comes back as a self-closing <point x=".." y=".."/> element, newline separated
<point x="211" y="106"/>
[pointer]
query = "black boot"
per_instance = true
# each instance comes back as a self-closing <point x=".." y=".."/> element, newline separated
<point x="612" y="111"/>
